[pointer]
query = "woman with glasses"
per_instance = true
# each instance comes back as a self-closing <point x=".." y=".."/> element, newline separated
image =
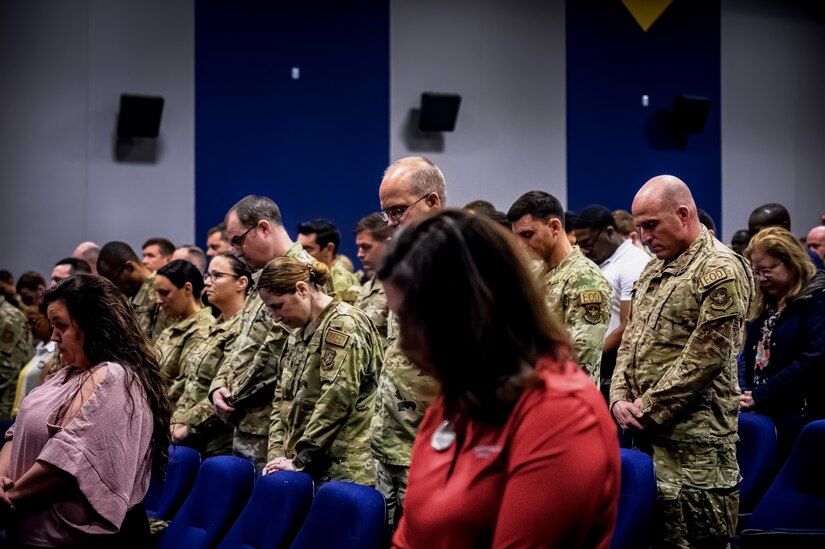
<point x="193" y="421"/>
<point x="519" y="449"/>
<point x="328" y="376"/>
<point x="178" y="286"/>
<point x="785" y="346"/>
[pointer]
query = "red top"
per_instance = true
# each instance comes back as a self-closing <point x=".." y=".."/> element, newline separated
<point x="549" y="477"/>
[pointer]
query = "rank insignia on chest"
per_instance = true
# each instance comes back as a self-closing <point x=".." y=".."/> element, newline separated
<point x="328" y="359"/>
<point x="720" y="299"/>
<point x="339" y="339"/>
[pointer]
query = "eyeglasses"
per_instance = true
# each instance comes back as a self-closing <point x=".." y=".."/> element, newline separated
<point x="217" y="275"/>
<point x="237" y="241"/>
<point x="396" y="213"/>
<point x="766" y="272"/>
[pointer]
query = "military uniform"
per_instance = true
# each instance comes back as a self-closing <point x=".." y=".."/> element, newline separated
<point x="578" y="295"/>
<point x="373" y="301"/>
<point x="326" y="394"/>
<point x="15" y="350"/>
<point x="207" y="433"/>
<point x="250" y="371"/>
<point x="404" y="393"/>
<point x="344" y="283"/>
<point x="678" y="355"/>
<point x="150" y="315"/>
<point x="174" y="345"/>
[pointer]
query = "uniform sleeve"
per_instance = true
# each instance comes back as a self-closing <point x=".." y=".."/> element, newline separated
<point x="15" y="350"/>
<point x="192" y="411"/>
<point x="577" y="455"/>
<point x="587" y="313"/>
<point x="243" y="349"/>
<point x="346" y="352"/>
<point x="724" y="300"/>
<point x="619" y="387"/>
<point x="277" y="433"/>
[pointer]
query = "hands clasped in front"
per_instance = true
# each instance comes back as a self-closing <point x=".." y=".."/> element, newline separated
<point x="629" y="415"/>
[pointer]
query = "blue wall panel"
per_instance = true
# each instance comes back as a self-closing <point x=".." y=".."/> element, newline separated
<point x="614" y="144"/>
<point x="316" y="145"/>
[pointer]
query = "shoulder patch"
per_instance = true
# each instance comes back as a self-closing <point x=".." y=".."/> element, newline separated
<point x="590" y="298"/>
<point x="716" y="275"/>
<point x="328" y="359"/>
<point x="334" y="337"/>
<point x="720" y="299"/>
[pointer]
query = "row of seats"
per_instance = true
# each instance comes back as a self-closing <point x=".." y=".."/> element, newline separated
<point x="229" y="508"/>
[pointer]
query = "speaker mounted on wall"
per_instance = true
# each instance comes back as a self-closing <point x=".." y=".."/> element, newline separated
<point x="139" y="116"/>
<point x="439" y="111"/>
<point x="690" y="113"/>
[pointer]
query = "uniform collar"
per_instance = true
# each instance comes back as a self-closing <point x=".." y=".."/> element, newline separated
<point x="681" y="263"/>
<point x="309" y="330"/>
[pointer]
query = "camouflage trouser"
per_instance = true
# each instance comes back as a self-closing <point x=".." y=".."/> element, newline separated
<point x="251" y="447"/>
<point x="391" y="480"/>
<point x="698" y="495"/>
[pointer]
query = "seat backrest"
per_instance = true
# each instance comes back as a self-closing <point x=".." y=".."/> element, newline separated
<point x="756" y="454"/>
<point x="221" y="490"/>
<point x="636" y="499"/>
<point x="274" y="514"/>
<point x="168" y="491"/>
<point x="344" y="515"/>
<point x="796" y="498"/>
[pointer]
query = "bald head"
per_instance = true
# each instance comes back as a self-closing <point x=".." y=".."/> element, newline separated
<point x="411" y="187"/>
<point x="88" y="251"/>
<point x="769" y="215"/>
<point x="665" y="213"/>
<point x="816" y="241"/>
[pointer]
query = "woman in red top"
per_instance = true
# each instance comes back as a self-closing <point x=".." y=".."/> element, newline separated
<point x="519" y="450"/>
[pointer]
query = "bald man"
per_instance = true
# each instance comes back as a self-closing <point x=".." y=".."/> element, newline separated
<point x="88" y="251"/>
<point x="675" y="383"/>
<point x="816" y="241"/>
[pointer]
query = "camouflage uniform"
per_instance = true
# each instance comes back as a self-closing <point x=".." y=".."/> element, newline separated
<point x="326" y="394"/>
<point x="250" y="371"/>
<point x="150" y="315"/>
<point x="207" y="433"/>
<point x="174" y="345"/>
<point x="373" y="301"/>
<point x="578" y="295"/>
<point x="15" y="351"/>
<point x="404" y="393"/>
<point x="678" y="355"/>
<point x="344" y="283"/>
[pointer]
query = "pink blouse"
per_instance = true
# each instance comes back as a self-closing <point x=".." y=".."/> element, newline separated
<point x="105" y="447"/>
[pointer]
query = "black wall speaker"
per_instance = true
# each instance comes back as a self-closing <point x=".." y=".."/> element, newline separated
<point x="139" y="116"/>
<point x="690" y="113"/>
<point x="439" y="111"/>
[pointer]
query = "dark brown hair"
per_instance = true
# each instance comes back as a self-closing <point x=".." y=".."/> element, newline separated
<point x="473" y="305"/>
<point x="280" y="275"/>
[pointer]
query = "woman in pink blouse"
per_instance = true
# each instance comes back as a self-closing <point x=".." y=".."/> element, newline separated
<point x="76" y="463"/>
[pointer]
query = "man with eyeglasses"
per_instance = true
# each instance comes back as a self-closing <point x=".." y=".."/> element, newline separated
<point x="621" y="264"/>
<point x="244" y="386"/>
<point x="411" y="188"/>
<point x="119" y="264"/>
<point x="576" y="292"/>
<point x="675" y="385"/>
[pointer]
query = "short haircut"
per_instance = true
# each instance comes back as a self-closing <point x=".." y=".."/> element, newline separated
<point x="164" y="245"/>
<point x="539" y="204"/>
<point x="774" y="215"/>
<point x="425" y="178"/>
<point x="595" y="217"/>
<point x="706" y="220"/>
<point x="482" y="207"/>
<point x="196" y="256"/>
<point x="253" y="208"/>
<point x="77" y="265"/>
<point x="30" y="280"/>
<point x="6" y="276"/>
<point x="90" y="254"/>
<point x="219" y="228"/>
<point x="114" y="254"/>
<point x="180" y="271"/>
<point x="324" y="230"/>
<point x="624" y="222"/>
<point x="570" y="220"/>
<point x="375" y="226"/>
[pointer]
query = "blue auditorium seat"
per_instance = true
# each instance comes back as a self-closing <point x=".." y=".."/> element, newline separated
<point x="274" y="514"/>
<point x="636" y="499"/>
<point x="756" y="454"/>
<point x="792" y="511"/>
<point x="168" y="491"/>
<point x="221" y="490"/>
<point x="344" y="515"/>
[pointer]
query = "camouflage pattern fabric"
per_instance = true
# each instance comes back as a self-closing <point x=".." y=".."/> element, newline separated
<point x="678" y="355"/>
<point x="344" y="283"/>
<point x="174" y="345"/>
<point x="578" y="295"/>
<point x="150" y="315"/>
<point x="391" y="480"/>
<point x="326" y="394"/>
<point x="15" y="351"/>
<point x="373" y="301"/>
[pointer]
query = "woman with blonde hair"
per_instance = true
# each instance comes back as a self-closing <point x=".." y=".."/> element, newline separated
<point x="328" y="374"/>
<point x="785" y="346"/>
